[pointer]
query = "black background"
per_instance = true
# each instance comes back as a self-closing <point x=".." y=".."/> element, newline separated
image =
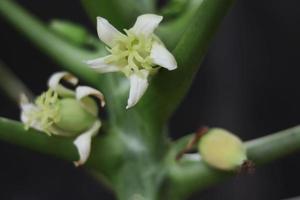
<point x="248" y="83"/>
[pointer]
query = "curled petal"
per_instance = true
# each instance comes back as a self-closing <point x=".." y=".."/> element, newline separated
<point x="100" y="65"/>
<point x="83" y="143"/>
<point x="138" y="86"/>
<point x="54" y="83"/>
<point x="146" y="24"/>
<point x="82" y="95"/>
<point x="107" y="32"/>
<point x="162" y="57"/>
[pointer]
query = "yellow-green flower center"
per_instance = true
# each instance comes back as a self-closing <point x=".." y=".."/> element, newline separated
<point x="132" y="53"/>
<point x="60" y="116"/>
<point x="46" y="112"/>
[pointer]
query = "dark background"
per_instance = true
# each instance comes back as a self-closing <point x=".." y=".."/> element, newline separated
<point x="248" y="83"/>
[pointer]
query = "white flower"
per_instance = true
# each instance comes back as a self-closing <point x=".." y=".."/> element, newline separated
<point x="65" y="112"/>
<point x="136" y="53"/>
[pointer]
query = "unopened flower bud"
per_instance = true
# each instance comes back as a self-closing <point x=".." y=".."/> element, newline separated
<point x="223" y="150"/>
<point x="73" y="117"/>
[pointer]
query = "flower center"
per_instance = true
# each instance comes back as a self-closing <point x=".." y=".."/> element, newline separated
<point x="132" y="52"/>
<point x="46" y="112"/>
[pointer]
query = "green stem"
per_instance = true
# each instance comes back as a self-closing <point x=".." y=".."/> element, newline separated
<point x="68" y="55"/>
<point x="121" y="14"/>
<point x="15" y="133"/>
<point x="189" y="176"/>
<point x="179" y="24"/>
<point x="101" y="160"/>
<point x="12" y="86"/>
<point x="168" y="88"/>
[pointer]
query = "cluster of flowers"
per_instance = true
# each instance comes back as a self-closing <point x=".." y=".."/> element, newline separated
<point x="61" y="111"/>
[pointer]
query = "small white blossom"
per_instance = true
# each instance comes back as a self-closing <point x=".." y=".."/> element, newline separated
<point x="65" y="112"/>
<point x="137" y="53"/>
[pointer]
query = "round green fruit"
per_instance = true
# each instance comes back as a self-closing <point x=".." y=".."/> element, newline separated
<point x="221" y="149"/>
<point x="73" y="117"/>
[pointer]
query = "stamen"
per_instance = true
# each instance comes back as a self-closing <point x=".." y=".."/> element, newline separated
<point x="133" y="52"/>
<point x="46" y="112"/>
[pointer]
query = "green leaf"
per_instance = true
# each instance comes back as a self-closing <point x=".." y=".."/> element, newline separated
<point x="119" y="12"/>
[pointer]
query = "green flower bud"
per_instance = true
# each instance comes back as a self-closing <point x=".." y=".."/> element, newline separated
<point x="222" y="150"/>
<point x="73" y="117"/>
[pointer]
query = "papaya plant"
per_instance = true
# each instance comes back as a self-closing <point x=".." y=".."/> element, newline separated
<point x="143" y="73"/>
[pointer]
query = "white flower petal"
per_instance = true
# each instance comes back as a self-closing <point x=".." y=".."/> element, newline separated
<point x="162" y="57"/>
<point x="54" y="83"/>
<point x="107" y="32"/>
<point x="83" y="143"/>
<point x="138" y="86"/>
<point x="82" y="95"/>
<point x="146" y="24"/>
<point x="100" y="65"/>
<point x="26" y="109"/>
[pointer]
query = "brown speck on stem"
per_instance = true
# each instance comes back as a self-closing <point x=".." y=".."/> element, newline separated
<point x="201" y="131"/>
<point x="248" y="167"/>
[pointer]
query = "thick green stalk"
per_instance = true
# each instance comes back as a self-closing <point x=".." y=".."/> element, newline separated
<point x="171" y="31"/>
<point x="167" y="89"/>
<point x="188" y="176"/>
<point x="12" y="86"/>
<point x="68" y="55"/>
<point x="119" y="12"/>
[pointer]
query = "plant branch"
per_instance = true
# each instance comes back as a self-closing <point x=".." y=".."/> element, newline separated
<point x="14" y="132"/>
<point x="101" y="160"/>
<point x="68" y="55"/>
<point x="194" y="175"/>
<point x="12" y="86"/>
